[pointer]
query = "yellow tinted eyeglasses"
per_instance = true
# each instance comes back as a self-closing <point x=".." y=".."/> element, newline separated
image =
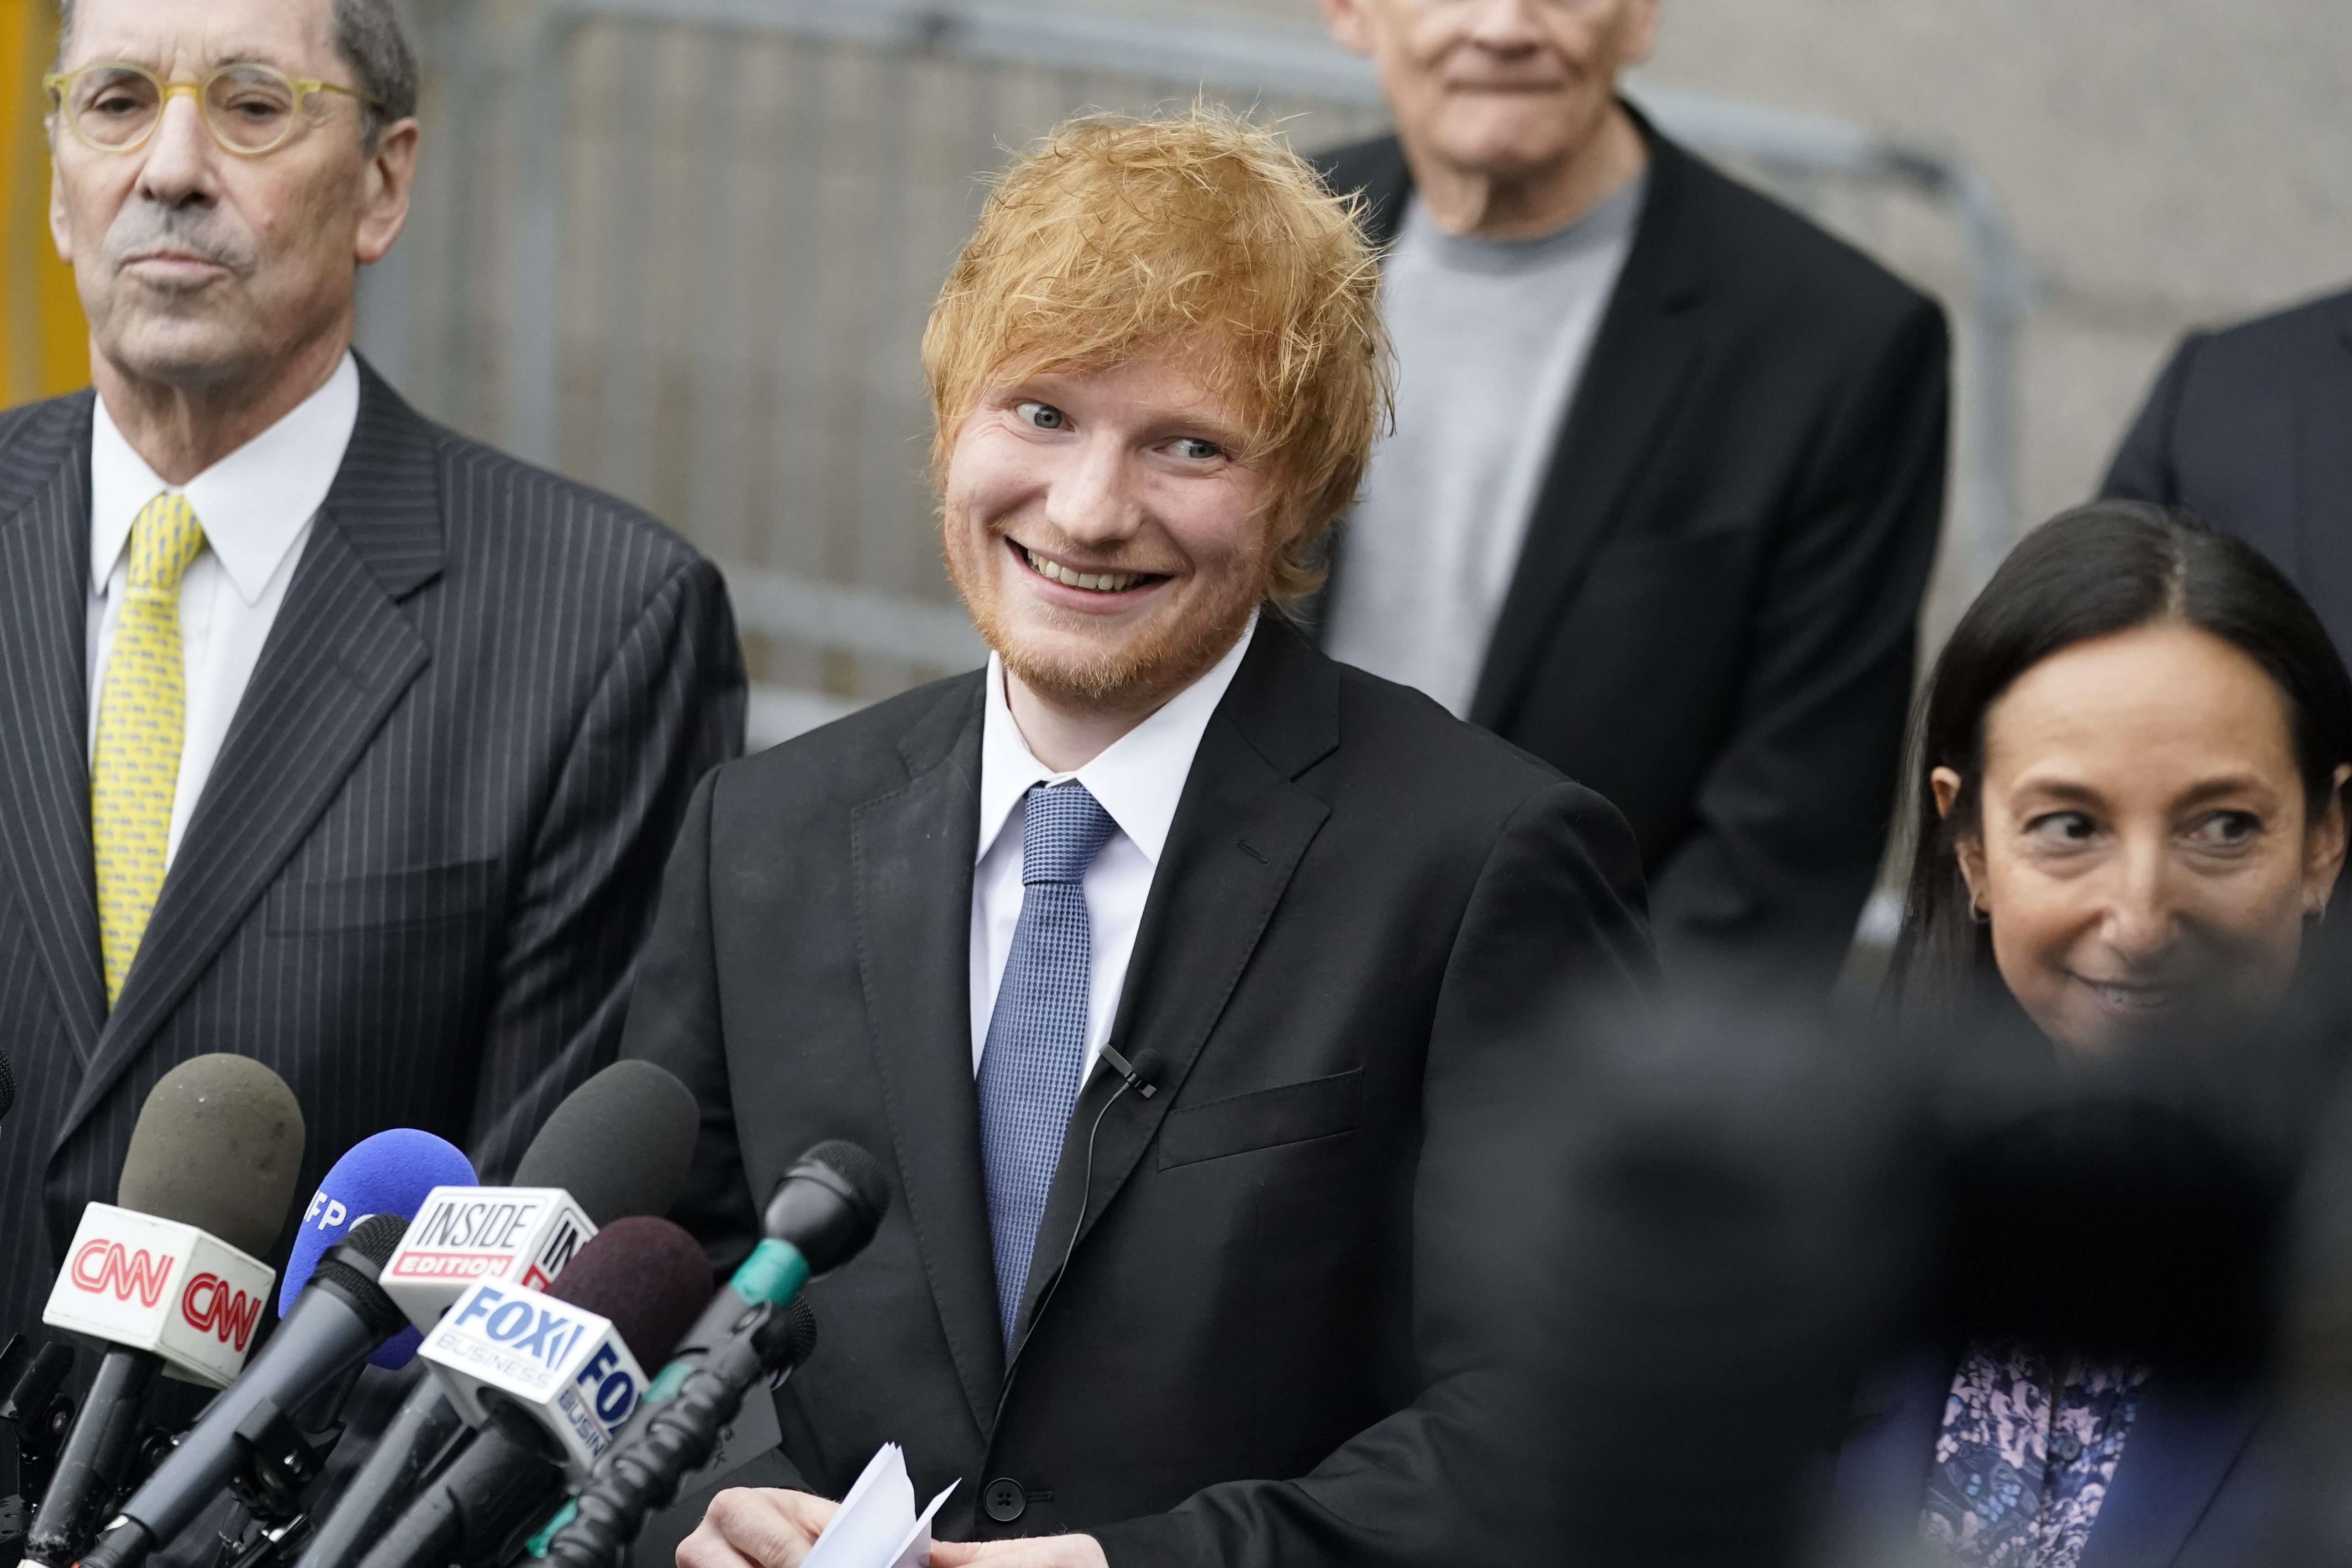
<point x="250" y="109"/>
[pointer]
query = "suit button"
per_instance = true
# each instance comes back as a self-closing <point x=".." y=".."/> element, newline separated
<point x="1003" y="1499"/>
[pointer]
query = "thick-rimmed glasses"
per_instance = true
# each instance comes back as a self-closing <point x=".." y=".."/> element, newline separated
<point x="250" y="109"/>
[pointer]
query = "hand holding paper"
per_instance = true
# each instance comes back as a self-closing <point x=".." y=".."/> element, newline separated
<point x="876" y="1526"/>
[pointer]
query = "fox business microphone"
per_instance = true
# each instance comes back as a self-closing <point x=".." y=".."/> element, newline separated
<point x="618" y="1146"/>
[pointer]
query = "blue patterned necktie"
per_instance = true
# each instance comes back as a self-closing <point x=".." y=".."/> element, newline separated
<point x="1038" y="1034"/>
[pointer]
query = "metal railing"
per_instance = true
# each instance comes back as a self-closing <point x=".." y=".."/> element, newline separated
<point x="708" y="288"/>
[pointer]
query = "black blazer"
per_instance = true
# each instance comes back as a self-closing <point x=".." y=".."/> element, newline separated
<point x="1262" y="1346"/>
<point x="2252" y="428"/>
<point x="431" y="843"/>
<point x="1714" y="617"/>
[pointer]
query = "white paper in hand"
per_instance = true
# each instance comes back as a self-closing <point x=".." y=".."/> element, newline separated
<point x="876" y="1526"/>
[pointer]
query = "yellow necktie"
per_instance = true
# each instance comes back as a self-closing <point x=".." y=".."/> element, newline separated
<point x="141" y="712"/>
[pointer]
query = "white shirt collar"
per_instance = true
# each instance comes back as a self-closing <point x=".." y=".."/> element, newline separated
<point x="1138" y="778"/>
<point x="252" y="504"/>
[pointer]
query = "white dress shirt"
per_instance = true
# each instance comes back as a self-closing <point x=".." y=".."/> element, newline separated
<point x="1138" y="780"/>
<point x="255" y="506"/>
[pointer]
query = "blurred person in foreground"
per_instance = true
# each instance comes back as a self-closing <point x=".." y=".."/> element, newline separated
<point x="1665" y="477"/>
<point x="2131" y="816"/>
<point x="332" y="738"/>
<point x="1242" y="1319"/>
<point x="2252" y="428"/>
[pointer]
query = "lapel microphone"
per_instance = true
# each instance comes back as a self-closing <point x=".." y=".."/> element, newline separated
<point x="1138" y="1073"/>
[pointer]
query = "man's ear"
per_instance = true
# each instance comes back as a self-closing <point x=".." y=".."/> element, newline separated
<point x="384" y="204"/>
<point x="60" y="231"/>
<point x="1349" y="24"/>
<point x="1640" y="32"/>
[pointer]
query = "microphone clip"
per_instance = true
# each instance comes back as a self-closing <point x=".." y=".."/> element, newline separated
<point x="1144" y="1088"/>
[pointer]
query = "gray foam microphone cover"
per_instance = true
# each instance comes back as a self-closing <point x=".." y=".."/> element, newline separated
<point x="218" y="1145"/>
<point x="620" y="1144"/>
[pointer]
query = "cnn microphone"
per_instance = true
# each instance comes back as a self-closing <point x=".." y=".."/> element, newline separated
<point x="340" y="1319"/>
<point x="822" y="1214"/>
<point x="620" y="1144"/>
<point x="169" y="1277"/>
<point x="548" y="1377"/>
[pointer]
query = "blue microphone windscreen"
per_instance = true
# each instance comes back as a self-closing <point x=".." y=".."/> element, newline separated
<point x="388" y="1174"/>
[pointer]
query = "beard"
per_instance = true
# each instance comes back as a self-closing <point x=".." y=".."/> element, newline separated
<point x="1159" y="658"/>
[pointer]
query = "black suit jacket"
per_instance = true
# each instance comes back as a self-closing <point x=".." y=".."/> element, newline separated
<point x="2252" y="428"/>
<point x="1266" y="1339"/>
<point x="431" y="843"/>
<point x="1714" y="617"/>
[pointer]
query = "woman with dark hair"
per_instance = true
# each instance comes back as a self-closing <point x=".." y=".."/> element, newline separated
<point x="2130" y="785"/>
<point x="2129" y="812"/>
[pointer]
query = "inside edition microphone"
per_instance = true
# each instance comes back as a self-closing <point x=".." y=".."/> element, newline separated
<point x="169" y="1277"/>
<point x="822" y="1214"/>
<point x="548" y="1378"/>
<point x="620" y="1144"/>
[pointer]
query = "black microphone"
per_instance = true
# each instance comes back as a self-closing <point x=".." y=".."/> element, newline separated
<point x="170" y="1273"/>
<point x="620" y="1144"/>
<point x="646" y="1278"/>
<point x="337" y="1321"/>
<point x="1139" y="1074"/>
<point x="7" y="1085"/>
<point x="822" y="1214"/>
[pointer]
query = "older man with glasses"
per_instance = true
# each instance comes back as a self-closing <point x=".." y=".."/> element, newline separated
<point x="331" y="738"/>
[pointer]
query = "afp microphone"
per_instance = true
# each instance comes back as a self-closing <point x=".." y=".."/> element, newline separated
<point x="822" y="1214"/>
<point x="169" y="1277"/>
<point x="549" y="1378"/>
<point x="391" y="1172"/>
<point x="620" y="1144"/>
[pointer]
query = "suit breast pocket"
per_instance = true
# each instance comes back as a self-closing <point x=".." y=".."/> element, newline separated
<point x="1263" y="1118"/>
<point x="415" y="896"/>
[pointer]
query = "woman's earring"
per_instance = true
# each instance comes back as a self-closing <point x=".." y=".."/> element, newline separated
<point x="1978" y="913"/>
<point x="2318" y="917"/>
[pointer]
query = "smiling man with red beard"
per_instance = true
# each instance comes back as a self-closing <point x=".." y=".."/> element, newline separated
<point x="1165" y="962"/>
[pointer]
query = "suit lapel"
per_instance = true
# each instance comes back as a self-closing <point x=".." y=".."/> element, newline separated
<point x="2182" y="1445"/>
<point x="913" y="851"/>
<point x="338" y="657"/>
<point x="1642" y="358"/>
<point x="2321" y="477"/>
<point x="1242" y="827"/>
<point x="45" y="704"/>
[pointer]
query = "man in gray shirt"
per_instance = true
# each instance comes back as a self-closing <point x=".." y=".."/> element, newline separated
<point x="1491" y="336"/>
<point x="1666" y="474"/>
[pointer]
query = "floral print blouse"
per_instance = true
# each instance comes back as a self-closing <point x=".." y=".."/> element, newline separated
<point x="2027" y="1452"/>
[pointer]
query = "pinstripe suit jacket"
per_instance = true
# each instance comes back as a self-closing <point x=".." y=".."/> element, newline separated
<point x="417" y="880"/>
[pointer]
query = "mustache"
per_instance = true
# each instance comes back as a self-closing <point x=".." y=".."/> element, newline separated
<point x="145" y="226"/>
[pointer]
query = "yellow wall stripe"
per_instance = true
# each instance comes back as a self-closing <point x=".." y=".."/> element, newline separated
<point x="44" y="343"/>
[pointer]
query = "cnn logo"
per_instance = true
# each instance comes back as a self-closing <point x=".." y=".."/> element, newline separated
<point x="102" y="1266"/>
<point x="211" y="1303"/>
